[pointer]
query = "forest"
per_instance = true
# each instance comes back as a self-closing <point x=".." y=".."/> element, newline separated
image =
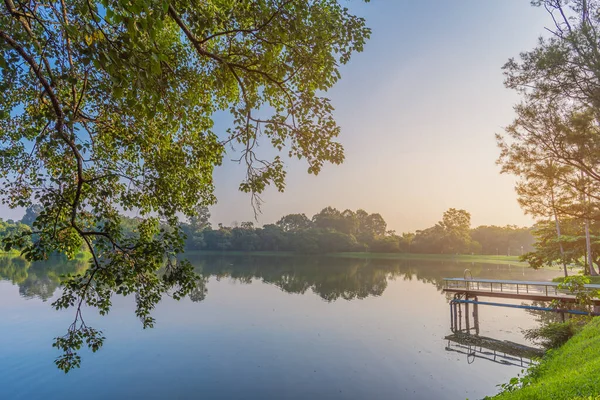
<point x="334" y="231"/>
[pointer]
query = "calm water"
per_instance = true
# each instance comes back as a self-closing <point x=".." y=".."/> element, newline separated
<point x="262" y="327"/>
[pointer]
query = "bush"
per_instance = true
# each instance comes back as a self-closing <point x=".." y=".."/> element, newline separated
<point x="592" y="279"/>
<point x="553" y="335"/>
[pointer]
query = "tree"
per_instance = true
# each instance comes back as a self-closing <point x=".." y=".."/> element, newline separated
<point x="272" y="238"/>
<point x="496" y="239"/>
<point x="361" y="216"/>
<point x="375" y="225"/>
<point x="386" y="244"/>
<point x="429" y="240"/>
<point x="245" y="238"/>
<point x="558" y="122"/>
<point x="294" y="222"/>
<point x="451" y="235"/>
<point x="570" y="248"/>
<point x="456" y="226"/>
<point x="351" y="223"/>
<point x="336" y="242"/>
<point x="541" y="191"/>
<point x="200" y="220"/>
<point x="219" y="239"/>
<point x="305" y="242"/>
<point x="406" y="241"/>
<point x="565" y="66"/>
<point x="369" y="226"/>
<point x="329" y="218"/>
<point x="108" y="106"/>
<point x="31" y="214"/>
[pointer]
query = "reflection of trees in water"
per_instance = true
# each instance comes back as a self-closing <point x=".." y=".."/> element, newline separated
<point x="38" y="279"/>
<point x="13" y="268"/>
<point x="328" y="277"/>
<point x="199" y="292"/>
<point x="331" y="278"/>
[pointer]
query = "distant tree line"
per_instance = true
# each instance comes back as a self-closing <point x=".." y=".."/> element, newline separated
<point x="333" y="231"/>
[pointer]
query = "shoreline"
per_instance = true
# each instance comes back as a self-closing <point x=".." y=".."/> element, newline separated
<point x="466" y="258"/>
<point x="567" y="373"/>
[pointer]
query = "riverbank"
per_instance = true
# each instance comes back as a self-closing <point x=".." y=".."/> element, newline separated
<point x="512" y="260"/>
<point x="11" y="252"/>
<point x="568" y="373"/>
<point x="463" y="258"/>
<point x="81" y="256"/>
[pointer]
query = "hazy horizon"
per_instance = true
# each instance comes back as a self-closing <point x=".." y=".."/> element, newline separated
<point x="419" y="109"/>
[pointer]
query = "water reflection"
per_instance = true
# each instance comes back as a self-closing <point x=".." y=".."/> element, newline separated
<point x="354" y="329"/>
<point x="465" y="339"/>
<point x="328" y="277"/>
<point x="38" y="279"/>
<point x="498" y="351"/>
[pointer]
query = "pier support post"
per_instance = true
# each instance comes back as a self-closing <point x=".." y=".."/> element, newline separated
<point x="476" y="316"/>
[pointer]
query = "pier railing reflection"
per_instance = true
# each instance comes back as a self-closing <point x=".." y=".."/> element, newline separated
<point x="465" y="339"/>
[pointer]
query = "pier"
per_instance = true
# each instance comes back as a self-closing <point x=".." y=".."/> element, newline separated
<point x="511" y="289"/>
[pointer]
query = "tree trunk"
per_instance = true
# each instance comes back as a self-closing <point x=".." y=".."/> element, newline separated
<point x="588" y="241"/>
<point x="588" y="249"/>
<point x="562" y="250"/>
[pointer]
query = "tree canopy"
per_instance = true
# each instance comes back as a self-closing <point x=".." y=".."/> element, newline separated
<point x="108" y="107"/>
<point x="332" y="231"/>
<point x="552" y="145"/>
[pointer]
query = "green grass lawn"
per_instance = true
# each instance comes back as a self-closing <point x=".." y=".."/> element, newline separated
<point x="571" y="372"/>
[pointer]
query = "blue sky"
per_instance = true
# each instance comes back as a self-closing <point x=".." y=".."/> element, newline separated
<point x="418" y="109"/>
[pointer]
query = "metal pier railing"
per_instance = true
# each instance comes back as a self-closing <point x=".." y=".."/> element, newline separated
<point x="521" y="289"/>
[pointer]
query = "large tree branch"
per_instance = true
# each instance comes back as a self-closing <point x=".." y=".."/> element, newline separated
<point x="60" y="117"/>
<point x="191" y="37"/>
<point x="197" y="43"/>
<point x="23" y="19"/>
<point x="251" y="30"/>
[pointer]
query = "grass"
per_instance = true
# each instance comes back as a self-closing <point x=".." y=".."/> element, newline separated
<point x="571" y="372"/>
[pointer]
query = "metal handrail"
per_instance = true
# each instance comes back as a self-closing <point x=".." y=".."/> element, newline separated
<point x="514" y="282"/>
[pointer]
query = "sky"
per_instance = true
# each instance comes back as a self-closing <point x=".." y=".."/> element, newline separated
<point x="418" y="109"/>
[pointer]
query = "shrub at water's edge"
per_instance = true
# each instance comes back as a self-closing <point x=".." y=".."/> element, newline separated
<point x="570" y="372"/>
<point x="592" y="279"/>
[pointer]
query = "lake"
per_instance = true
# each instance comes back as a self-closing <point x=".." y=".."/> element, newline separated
<point x="264" y="327"/>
